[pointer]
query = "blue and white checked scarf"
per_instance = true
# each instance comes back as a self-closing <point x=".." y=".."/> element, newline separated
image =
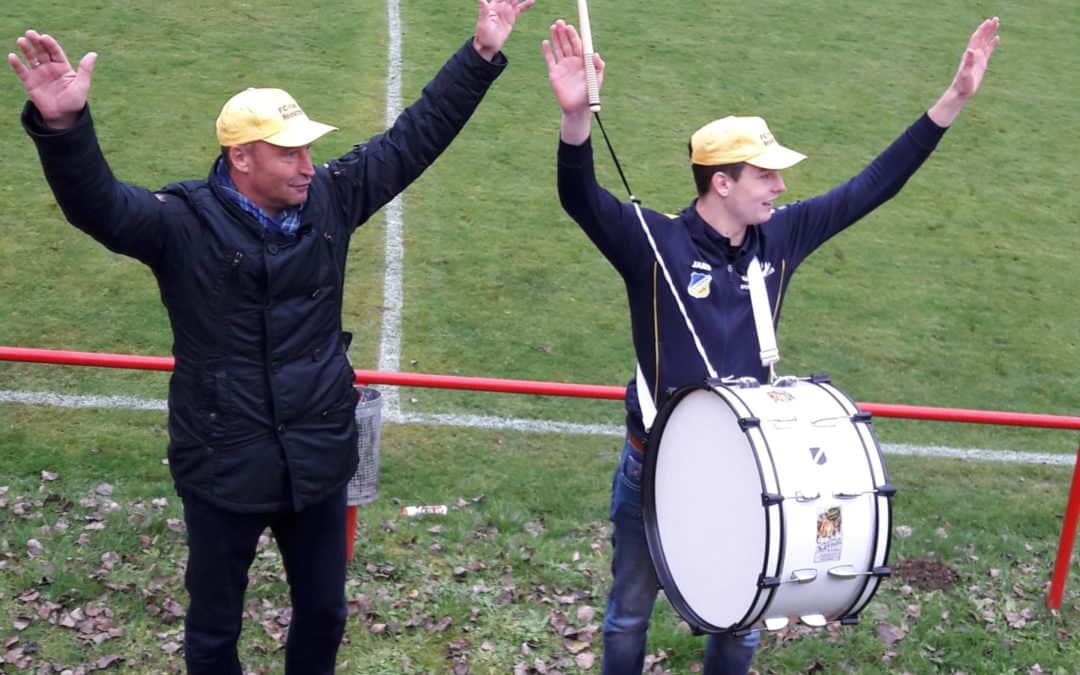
<point x="287" y="223"/>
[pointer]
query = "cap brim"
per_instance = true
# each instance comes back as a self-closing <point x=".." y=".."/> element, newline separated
<point x="300" y="134"/>
<point x="777" y="157"/>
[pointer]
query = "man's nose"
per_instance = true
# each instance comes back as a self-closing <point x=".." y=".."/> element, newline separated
<point x="306" y="166"/>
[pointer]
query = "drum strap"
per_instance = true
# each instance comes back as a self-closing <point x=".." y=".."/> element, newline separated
<point x="759" y="302"/>
<point x="645" y="399"/>
<point x="671" y="285"/>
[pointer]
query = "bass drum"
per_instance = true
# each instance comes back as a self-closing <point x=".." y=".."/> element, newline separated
<point x="764" y="503"/>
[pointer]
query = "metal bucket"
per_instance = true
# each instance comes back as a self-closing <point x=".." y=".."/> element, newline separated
<point x="364" y="485"/>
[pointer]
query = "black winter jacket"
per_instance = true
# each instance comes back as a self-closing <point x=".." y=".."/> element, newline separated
<point x="261" y="399"/>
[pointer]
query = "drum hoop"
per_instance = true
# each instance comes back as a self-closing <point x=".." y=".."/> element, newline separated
<point x="773" y="512"/>
<point x="652" y="531"/>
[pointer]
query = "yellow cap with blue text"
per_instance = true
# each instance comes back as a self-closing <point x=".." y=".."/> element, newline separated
<point x="269" y="115"/>
<point x="731" y="140"/>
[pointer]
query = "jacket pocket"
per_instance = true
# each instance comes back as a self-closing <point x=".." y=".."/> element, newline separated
<point x="225" y="280"/>
<point x="215" y="402"/>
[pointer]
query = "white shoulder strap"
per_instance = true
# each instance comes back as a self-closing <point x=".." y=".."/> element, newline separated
<point x="645" y="400"/>
<point x="759" y="302"/>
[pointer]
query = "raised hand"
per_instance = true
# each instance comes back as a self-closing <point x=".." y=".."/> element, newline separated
<point x="565" y="58"/>
<point x="495" y="22"/>
<point x="969" y="75"/>
<point x="58" y="91"/>
<point x="976" y="57"/>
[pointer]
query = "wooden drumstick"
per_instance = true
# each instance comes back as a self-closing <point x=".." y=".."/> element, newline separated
<point x="591" y="85"/>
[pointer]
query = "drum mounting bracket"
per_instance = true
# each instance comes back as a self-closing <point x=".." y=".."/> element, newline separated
<point x="771" y="499"/>
<point x="746" y="423"/>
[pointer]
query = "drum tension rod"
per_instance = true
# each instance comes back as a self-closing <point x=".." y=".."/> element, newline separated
<point x="886" y="490"/>
<point x="848" y="572"/>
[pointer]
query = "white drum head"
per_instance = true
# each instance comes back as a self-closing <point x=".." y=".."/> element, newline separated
<point x="710" y="525"/>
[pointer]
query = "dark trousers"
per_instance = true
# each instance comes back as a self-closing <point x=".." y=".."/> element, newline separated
<point x="221" y="548"/>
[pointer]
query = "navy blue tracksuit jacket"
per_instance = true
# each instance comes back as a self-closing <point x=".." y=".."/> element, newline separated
<point x="696" y="255"/>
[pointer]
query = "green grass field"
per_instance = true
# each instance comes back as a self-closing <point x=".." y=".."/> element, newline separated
<point x="959" y="293"/>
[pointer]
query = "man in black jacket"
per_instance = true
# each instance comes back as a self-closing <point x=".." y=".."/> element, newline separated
<point x="250" y="264"/>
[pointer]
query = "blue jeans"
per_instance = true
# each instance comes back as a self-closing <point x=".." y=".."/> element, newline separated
<point x="221" y="548"/>
<point x="634" y="587"/>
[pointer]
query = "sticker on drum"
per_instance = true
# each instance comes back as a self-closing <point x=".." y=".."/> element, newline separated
<point x="830" y="537"/>
<point x="763" y="503"/>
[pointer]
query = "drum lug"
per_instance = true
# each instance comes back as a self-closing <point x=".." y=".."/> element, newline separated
<point x="850" y="495"/>
<point x="882" y="571"/>
<point x="746" y="423"/>
<point x="844" y="572"/>
<point x="771" y="499"/>
<point x="820" y="378"/>
<point x="862" y="417"/>
<point x="886" y="490"/>
<point x="852" y="620"/>
<point x="804" y="576"/>
<point x="815" y="620"/>
<point x="740" y="382"/>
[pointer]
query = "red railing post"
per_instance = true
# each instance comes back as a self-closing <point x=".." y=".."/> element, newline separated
<point x="1068" y="536"/>
<point x="350" y="518"/>
<point x="350" y="531"/>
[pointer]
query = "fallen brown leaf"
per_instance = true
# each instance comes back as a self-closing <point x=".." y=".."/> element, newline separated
<point x="890" y="634"/>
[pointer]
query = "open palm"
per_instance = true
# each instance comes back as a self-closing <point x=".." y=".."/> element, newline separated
<point x="496" y="21"/>
<point x="565" y="59"/>
<point x="57" y="90"/>
<point x="976" y="57"/>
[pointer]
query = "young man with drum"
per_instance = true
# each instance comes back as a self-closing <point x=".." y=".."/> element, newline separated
<point x="707" y="249"/>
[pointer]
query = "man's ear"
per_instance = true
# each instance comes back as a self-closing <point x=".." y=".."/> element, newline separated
<point x="721" y="183"/>
<point x="240" y="158"/>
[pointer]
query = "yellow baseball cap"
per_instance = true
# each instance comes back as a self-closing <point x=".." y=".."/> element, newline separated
<point x="269" y="115"/>
<point x="732" y="139"/>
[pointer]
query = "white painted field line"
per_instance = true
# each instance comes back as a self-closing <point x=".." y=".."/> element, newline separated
<point x="48" y="398"/>
<point x="45" y="398"/>
<point x="393" y="295"/>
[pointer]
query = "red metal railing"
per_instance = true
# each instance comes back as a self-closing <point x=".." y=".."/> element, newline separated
<point x="1072" y="511"/>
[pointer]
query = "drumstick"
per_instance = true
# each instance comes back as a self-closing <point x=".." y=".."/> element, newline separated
<point x="591" y="85"/>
